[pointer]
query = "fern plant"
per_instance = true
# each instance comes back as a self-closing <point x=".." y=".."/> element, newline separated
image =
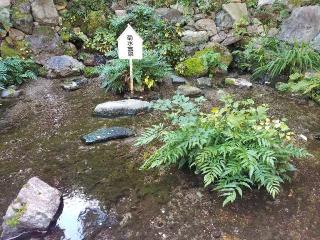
<point x="235" y="147"/>
<point x="147" y="72"/>
<point x="14" y="71"/>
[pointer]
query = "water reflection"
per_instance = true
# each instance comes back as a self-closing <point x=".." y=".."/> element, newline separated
<point x="82" y="217"/>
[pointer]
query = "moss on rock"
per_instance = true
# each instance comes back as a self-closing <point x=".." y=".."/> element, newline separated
<point x="196" y="65"/>
<point x="11" y="48"/>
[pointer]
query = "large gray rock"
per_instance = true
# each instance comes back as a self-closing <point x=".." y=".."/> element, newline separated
<point x="171" y="15"/>
<point x="35" y="207"/>
<point x="189" y="91"/>
<point x="316" y="43"/>
<point x="223" y="20"/>
<point x="206" y="24"/>
<point x="45" y="12"/>
<point x="5" y="3"/>
<point x="121" y="108"/>
<point x="262" y="3"/>
<point x="44" y="42"/>
<point x="194" y="37"/>
<point x="5" y="23"/>
<point x="302" y="25"/>
<point x="107" y="134"/>
<point x="21" y="16"/>
<point x="63" y="66"/>
<point x="236" y="10"/>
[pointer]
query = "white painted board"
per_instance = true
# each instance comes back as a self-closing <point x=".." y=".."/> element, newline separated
<point x="130" y="44"/>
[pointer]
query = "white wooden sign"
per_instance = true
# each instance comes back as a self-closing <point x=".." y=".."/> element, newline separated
<point x="130" y="46"/>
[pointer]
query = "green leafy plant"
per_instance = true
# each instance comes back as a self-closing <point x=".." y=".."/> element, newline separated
<point x="147" y="72"/>
<point x="271" y="57"/>
<point x="304" y="85"/>
<point x="158" y="34"/>
<point x="14" y="71"/>
<point x="102" y="41"/>
<point x="235" y="147"/>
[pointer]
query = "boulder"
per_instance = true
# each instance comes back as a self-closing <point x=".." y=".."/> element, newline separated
<point x="34" y="209"/>
<point x="63" y="66"/>
<point x="195" y="66"/>
<point x="239" y="82"/>
<point x="45" y="42"/>
<point x="16" y="35"/>
<point x="204" y="82"/>
<point x="230" y="39"/>
<point x="223" y="20"/>
<point x="21" y="16"/>
<point x="189" y="91"/>
<point x="262" y="3"/>
<point x="206" y="24"/>
<point x="236" y="10"/>
<point x="74" y="84"/>
<point x="45" y="12"/>
<point x="316" y="43"/>
<point x="194" y="37"/>
<point x="302" y="25"/>
<point x="5" y="3"/>
<point x="171" y="15"/>
<point x="119" y="108"/>
<point x="107" y="134"/>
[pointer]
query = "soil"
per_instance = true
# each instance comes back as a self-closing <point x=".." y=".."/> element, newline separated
<point x="107" y="196"/>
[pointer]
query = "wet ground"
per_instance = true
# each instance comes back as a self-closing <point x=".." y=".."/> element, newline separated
<point x="107" y="197"/>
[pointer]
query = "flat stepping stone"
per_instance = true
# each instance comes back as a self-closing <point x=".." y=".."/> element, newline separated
<point x="189" y="91"/>
<point x="107" y="134"/>
<point x="120" y="108"/>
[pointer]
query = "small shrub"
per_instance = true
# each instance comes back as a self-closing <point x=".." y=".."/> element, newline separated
<point x="271" y="57"/>
<point x="234" y="147"/>
<point x="307" y="86"/>
<point x="15" y="71"/>
<point x="147" y="73"/>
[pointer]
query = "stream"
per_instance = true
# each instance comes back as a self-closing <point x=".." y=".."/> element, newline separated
<point x="105" y="194"/>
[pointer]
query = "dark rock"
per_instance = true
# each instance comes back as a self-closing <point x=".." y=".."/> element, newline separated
<point x="302" y="25"/>
<point x="189" y="91"/>
<point x="90" y="59"/>
<point x="126" y="107"/>
<point x="34" y="209"/>
<point x="74" y="84"/>
<point x="63" y="66"/>
<point x="107" y="134"/>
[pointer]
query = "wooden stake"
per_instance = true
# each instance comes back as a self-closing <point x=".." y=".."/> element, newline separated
<point x="131" y="76"/>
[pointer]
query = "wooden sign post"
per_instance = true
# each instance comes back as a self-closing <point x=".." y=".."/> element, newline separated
<point x="130" y="46"/>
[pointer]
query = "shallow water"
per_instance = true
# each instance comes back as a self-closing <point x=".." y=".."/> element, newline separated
<point x="106" y="196"/>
